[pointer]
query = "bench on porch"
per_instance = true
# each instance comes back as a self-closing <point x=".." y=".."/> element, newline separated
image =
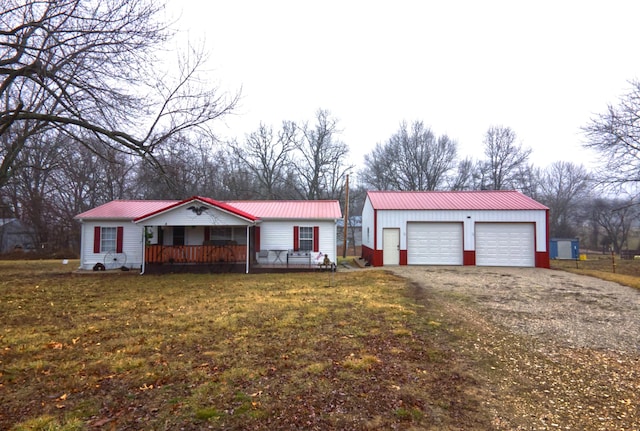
<point x="327" y="265"/>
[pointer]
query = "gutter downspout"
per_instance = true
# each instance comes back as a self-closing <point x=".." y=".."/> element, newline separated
<point x="82" y="234"/>
<point x="248" y="252"/>
<point x="144" y="248"/>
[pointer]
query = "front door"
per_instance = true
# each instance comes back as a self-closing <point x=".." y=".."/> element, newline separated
<point x="390" y="246"/>
<point x="178" y="235"/>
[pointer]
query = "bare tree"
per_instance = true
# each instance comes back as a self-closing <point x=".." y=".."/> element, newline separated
<point x="615" y="217"/>
<point x="322" y="162"/>
<point x="378" y="173"/>
<point x="504" y="157"/>
<point x="615" y="135"/>
<point x="412" y="159"/>
<point x="563" y="185"/>
<point x="466" y="176"/>
<point x="187" y="167"/>
<point x="29" y="189"/>
<point x="527" y="180"/>
<point x="268" y="157"/>
<point x="89" y="70"/>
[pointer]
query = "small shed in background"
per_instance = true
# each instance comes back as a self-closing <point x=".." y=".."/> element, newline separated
<point x="564" y="248"/>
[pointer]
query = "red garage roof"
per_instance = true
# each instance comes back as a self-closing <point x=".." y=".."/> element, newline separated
<point x="460" y="200"/>
<point x="290" y="209"/>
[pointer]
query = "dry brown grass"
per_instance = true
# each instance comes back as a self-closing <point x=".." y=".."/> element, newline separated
<point x="358" y="350"/>
<point x="229" y="351"/>
<point x="605" y="267"/>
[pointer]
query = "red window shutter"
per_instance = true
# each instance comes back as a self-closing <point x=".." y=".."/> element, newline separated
<point x="296" y="238"/>
<point x="207" y="233"/>
<point x="96" y="239"/>
<point x="257" y="238"/>
<point x="316" y="239"/>
<point x="119" y="236"/>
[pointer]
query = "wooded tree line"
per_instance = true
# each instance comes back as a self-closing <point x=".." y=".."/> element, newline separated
<point x="86" y="116"/>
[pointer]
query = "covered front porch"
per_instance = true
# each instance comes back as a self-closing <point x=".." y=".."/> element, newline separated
<point x="223" y="258"/>
<point x="202" y="235"/>
<point x="198" y="248"/>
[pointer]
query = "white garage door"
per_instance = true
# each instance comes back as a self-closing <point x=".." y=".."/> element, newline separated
<point x="505" y="244"/>
<point x="434" y="243"/>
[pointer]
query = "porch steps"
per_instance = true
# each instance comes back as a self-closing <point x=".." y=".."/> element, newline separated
<point x="360" y="262"/>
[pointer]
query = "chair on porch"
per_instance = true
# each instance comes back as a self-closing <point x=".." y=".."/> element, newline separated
<point x="263" y="256"/>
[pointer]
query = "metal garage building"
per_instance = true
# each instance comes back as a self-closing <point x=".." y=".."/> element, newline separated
<point x="483" y="228"/>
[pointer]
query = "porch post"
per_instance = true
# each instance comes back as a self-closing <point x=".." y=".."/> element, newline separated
<point x="247" y="253"/>
<point x="144" y="248"/>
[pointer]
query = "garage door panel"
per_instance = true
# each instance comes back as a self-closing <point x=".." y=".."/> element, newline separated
<point x="434" y="243"/>
<point x="505" y="244"/>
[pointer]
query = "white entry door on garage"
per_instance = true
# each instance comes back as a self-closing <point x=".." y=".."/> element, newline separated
<point x="434" y="243"/>
<point x="390" y="246"/>
<point x="505" y="244"/>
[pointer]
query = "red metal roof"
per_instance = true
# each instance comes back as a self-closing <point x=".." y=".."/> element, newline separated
<point x="290" y="209"/>
<point x="460" y="200"/>
<point x="252" y="210"/>
<point x="124" y="209"/>
<point x="209" y="201"/>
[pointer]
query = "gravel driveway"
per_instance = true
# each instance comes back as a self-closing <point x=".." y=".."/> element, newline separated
<point x="572" y="310"/>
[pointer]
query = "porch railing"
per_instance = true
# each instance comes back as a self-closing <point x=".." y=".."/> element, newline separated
<point x="170" y="254"/>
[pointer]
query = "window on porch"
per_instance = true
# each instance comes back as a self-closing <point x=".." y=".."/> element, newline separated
<point x="306" y="238"/>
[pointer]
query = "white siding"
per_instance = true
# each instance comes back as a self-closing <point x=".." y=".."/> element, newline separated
<point x="278" y="235"/>
<point x="399" y="218"/>
<point x="131" y="243"/>
<point x="368" y="224"/>
<point x="181" y="216"/>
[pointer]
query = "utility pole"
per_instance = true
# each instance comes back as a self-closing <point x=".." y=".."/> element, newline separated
<point x="346" y="219"/>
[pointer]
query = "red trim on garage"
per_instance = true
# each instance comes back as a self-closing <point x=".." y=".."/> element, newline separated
<point x="469" y="257"/>
<point x="542" y="257"/>
<point x="378" y="258"/>
<point x="375" y="240"/>
<point x="403" y="257"/>
<point x="374" y="257"/>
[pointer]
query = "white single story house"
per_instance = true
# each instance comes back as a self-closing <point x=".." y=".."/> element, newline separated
<point x="199" y="231"/>
<point x="481" y="228"/>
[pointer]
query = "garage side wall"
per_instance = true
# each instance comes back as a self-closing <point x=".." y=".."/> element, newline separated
<point x="381" y="219"/>
<point x="369" y="232"/>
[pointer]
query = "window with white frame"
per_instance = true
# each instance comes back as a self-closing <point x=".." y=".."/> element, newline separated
<point x="108" y="239"/>
<point x="306" y="238"/>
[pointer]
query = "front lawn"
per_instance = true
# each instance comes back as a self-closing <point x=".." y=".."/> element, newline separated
<point x="351" y="350"/>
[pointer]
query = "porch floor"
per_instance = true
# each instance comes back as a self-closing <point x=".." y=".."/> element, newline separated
<point x="221" y="268"/>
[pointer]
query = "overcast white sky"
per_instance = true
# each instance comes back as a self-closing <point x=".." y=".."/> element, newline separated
<point x="542" y="68"/>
